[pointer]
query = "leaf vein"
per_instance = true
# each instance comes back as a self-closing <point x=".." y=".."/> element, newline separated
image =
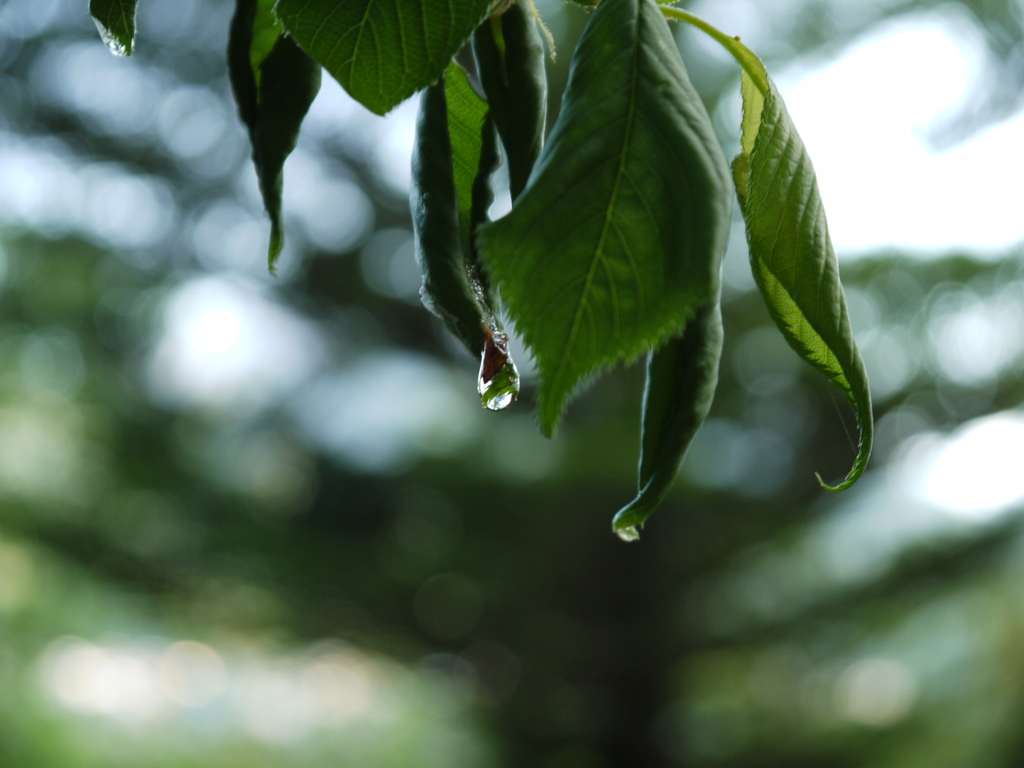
<point x="610" y="209"/>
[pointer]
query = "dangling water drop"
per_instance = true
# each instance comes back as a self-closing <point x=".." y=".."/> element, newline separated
<point x="498" y="383"/>
<point x="628" y="534"/>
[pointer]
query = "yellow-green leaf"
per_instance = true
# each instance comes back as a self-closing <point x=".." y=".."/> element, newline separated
<point x="791" y="253"/>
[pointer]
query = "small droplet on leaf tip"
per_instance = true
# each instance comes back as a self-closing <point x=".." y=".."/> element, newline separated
<point x="112" y="42"/>
<point x="498" y="382"/>
<point x="629" y="533"/>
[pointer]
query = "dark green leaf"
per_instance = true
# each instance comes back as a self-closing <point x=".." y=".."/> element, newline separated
<point x="618" y="237"/>
<point x="266" y="29"/>
<point x="474" y="154"/>
<point x="791" y="252"/>
<point x="447" y="285"/>
<point x="382" y="51"/>
<point x="115" y="19"/>
<point x="681" y="379"/>
<point x="274" y="83"/>
<point x="510" y="59"/>
<point x="453" y="160"/>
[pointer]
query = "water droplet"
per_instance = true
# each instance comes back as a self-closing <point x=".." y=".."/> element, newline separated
<point x="500" y="402"/>
<point x="498" y="383"/>
<point x="116" y="45"/>
<point x="501" y="391"/>
<point x="628" y="534"/>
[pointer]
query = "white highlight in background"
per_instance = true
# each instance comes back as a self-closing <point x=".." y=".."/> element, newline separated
<point x="864" y="119"/>
<point x="226" y="344"/>
<point x="976" y="472"/>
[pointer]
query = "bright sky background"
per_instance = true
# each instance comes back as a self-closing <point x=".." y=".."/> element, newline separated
<point x="865" y="118"/>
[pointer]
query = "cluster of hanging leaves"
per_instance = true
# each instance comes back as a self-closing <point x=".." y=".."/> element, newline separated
<point x="620" y="214"/>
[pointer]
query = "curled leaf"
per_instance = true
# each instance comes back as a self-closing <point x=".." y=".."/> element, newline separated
<point x="791" y="253"/>
<point x="475" y="158"/>
<point x="510" y="60"/>
<point x="681" y="379"/>
<point x="454" y="157"/>
<point x="447" y="289"/>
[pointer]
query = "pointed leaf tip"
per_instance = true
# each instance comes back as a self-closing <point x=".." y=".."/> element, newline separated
<point x="275" y="246"/>
<point x="115" y="21"/>
<point x="274" y="84"/>
<point x="682" y="376"/>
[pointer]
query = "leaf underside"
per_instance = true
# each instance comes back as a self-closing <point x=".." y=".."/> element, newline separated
<point x="791" y="253"/>
<point x="382" y="51"/>
<point x="619" y="234"/>
<point x="115" y="20"/>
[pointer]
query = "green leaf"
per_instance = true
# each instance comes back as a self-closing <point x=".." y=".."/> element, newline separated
<point x="266" y="29"/>
<point x="510" y="61"/>
<point x="475" y="158"/>
<point x="274" y="83"/>
<point x="115" y="19"/>
<point x="454" y="158"/>
<point x="791" y="253"/>
<point x="618" y="237"/>
<point x="382" y="51"/>
<point x="475" y="155"/>
<point x="448" y="289"/>
<point x="681" y="379"/>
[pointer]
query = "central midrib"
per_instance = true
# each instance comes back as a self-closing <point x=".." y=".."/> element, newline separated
<point x="609" y="210"/>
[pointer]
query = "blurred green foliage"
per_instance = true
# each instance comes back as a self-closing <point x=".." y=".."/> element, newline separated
<point x="249" y="521"/>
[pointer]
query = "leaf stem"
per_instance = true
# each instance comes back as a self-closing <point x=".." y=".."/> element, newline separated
<point x="745" y="57"/>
